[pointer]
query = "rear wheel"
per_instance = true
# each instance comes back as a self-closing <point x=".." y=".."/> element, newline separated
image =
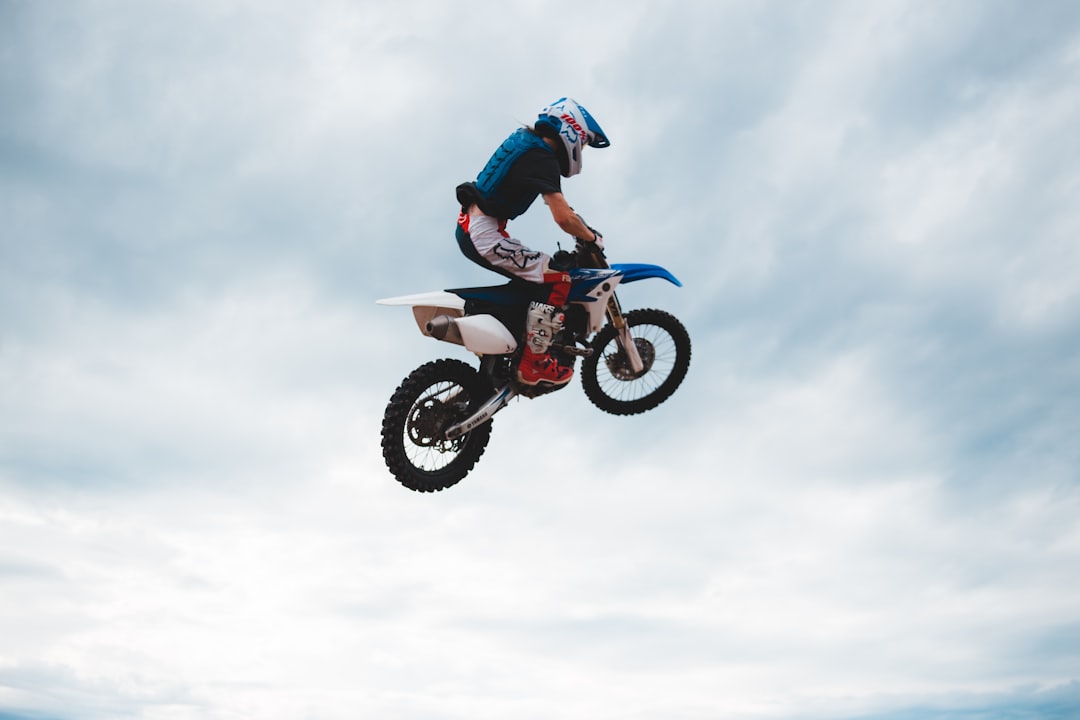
<point x="664" y="347"/>
<point x="431" y="399"/>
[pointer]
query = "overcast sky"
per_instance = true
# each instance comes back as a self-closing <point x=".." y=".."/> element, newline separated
<point x="862" y="503"/>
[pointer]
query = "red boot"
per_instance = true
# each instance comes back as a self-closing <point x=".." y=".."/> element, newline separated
<point x="535" y="368"/>
<point x="542" y="324"/>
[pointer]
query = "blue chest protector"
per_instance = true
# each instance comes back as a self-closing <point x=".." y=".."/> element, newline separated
<point x="489" y="184"/>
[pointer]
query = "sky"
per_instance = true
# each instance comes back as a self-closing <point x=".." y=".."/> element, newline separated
<point x="862" y="503"/>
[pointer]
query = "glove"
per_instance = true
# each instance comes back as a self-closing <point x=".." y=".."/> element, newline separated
<point x="599" y="238"/>
<point x="591" y="249"/>
<point x="596" y="239"/>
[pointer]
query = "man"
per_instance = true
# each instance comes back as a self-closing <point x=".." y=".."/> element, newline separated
<point x="529" y="164"/>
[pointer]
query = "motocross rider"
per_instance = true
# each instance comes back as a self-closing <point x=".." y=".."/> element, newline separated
<point x="529" y="163"/>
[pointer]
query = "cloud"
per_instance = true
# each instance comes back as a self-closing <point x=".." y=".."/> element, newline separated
<point x="860" y="504"/>
<point x="238" y="385"/>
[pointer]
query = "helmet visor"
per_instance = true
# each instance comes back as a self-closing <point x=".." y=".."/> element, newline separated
<point x="597" y="138"/>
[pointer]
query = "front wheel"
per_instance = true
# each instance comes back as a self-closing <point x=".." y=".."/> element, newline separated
<point x="431" y="399"/>
<point x="664" y="347"/>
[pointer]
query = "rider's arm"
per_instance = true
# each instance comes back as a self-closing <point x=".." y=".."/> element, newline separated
<point x="566" y="218"/>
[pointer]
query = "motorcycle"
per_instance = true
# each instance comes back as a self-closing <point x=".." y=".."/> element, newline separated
<point x="438" y="421"/>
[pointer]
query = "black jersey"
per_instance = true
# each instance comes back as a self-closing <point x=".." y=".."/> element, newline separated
<point x="522" y="168"/>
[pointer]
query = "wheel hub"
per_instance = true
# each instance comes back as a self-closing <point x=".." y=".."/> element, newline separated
<point x="427" y="422"/>
<point x="619" y="365"/>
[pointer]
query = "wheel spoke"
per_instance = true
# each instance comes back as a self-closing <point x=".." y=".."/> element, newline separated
<point x="618" y="381"/>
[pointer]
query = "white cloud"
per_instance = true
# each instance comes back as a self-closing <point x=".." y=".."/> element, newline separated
<point x="860" y="504"/>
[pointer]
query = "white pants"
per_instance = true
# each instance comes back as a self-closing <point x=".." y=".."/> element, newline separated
<point x="502" y="252"/>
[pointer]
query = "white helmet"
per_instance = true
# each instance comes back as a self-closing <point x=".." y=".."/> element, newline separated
<point x="571" y="124"/>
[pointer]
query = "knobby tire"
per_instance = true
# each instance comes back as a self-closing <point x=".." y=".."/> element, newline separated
<point x="607" y="379"/>
<point x="433" y="397"/>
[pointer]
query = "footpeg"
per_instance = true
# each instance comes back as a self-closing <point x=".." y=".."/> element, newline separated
<point x="573" y="350"/>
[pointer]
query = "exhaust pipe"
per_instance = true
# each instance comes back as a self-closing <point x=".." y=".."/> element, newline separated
<point x="482" y="334"/>
<point x="444" y="327"/>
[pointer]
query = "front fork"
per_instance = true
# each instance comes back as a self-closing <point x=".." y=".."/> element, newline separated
<point x="594" y="257"/>
<point x="622" y="336"/>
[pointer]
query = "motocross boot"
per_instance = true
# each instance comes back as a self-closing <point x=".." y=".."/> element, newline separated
<point x="537" y="365"/>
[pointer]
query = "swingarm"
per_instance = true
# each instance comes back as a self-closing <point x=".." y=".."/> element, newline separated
<point x="494" y="404"/>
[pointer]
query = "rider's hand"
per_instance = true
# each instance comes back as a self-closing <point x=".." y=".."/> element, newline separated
<point x="597" y="238"/>
<point x="591" y="251"/>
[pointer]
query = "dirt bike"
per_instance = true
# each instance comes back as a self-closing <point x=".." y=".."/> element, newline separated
<point x="438" y="421"/>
